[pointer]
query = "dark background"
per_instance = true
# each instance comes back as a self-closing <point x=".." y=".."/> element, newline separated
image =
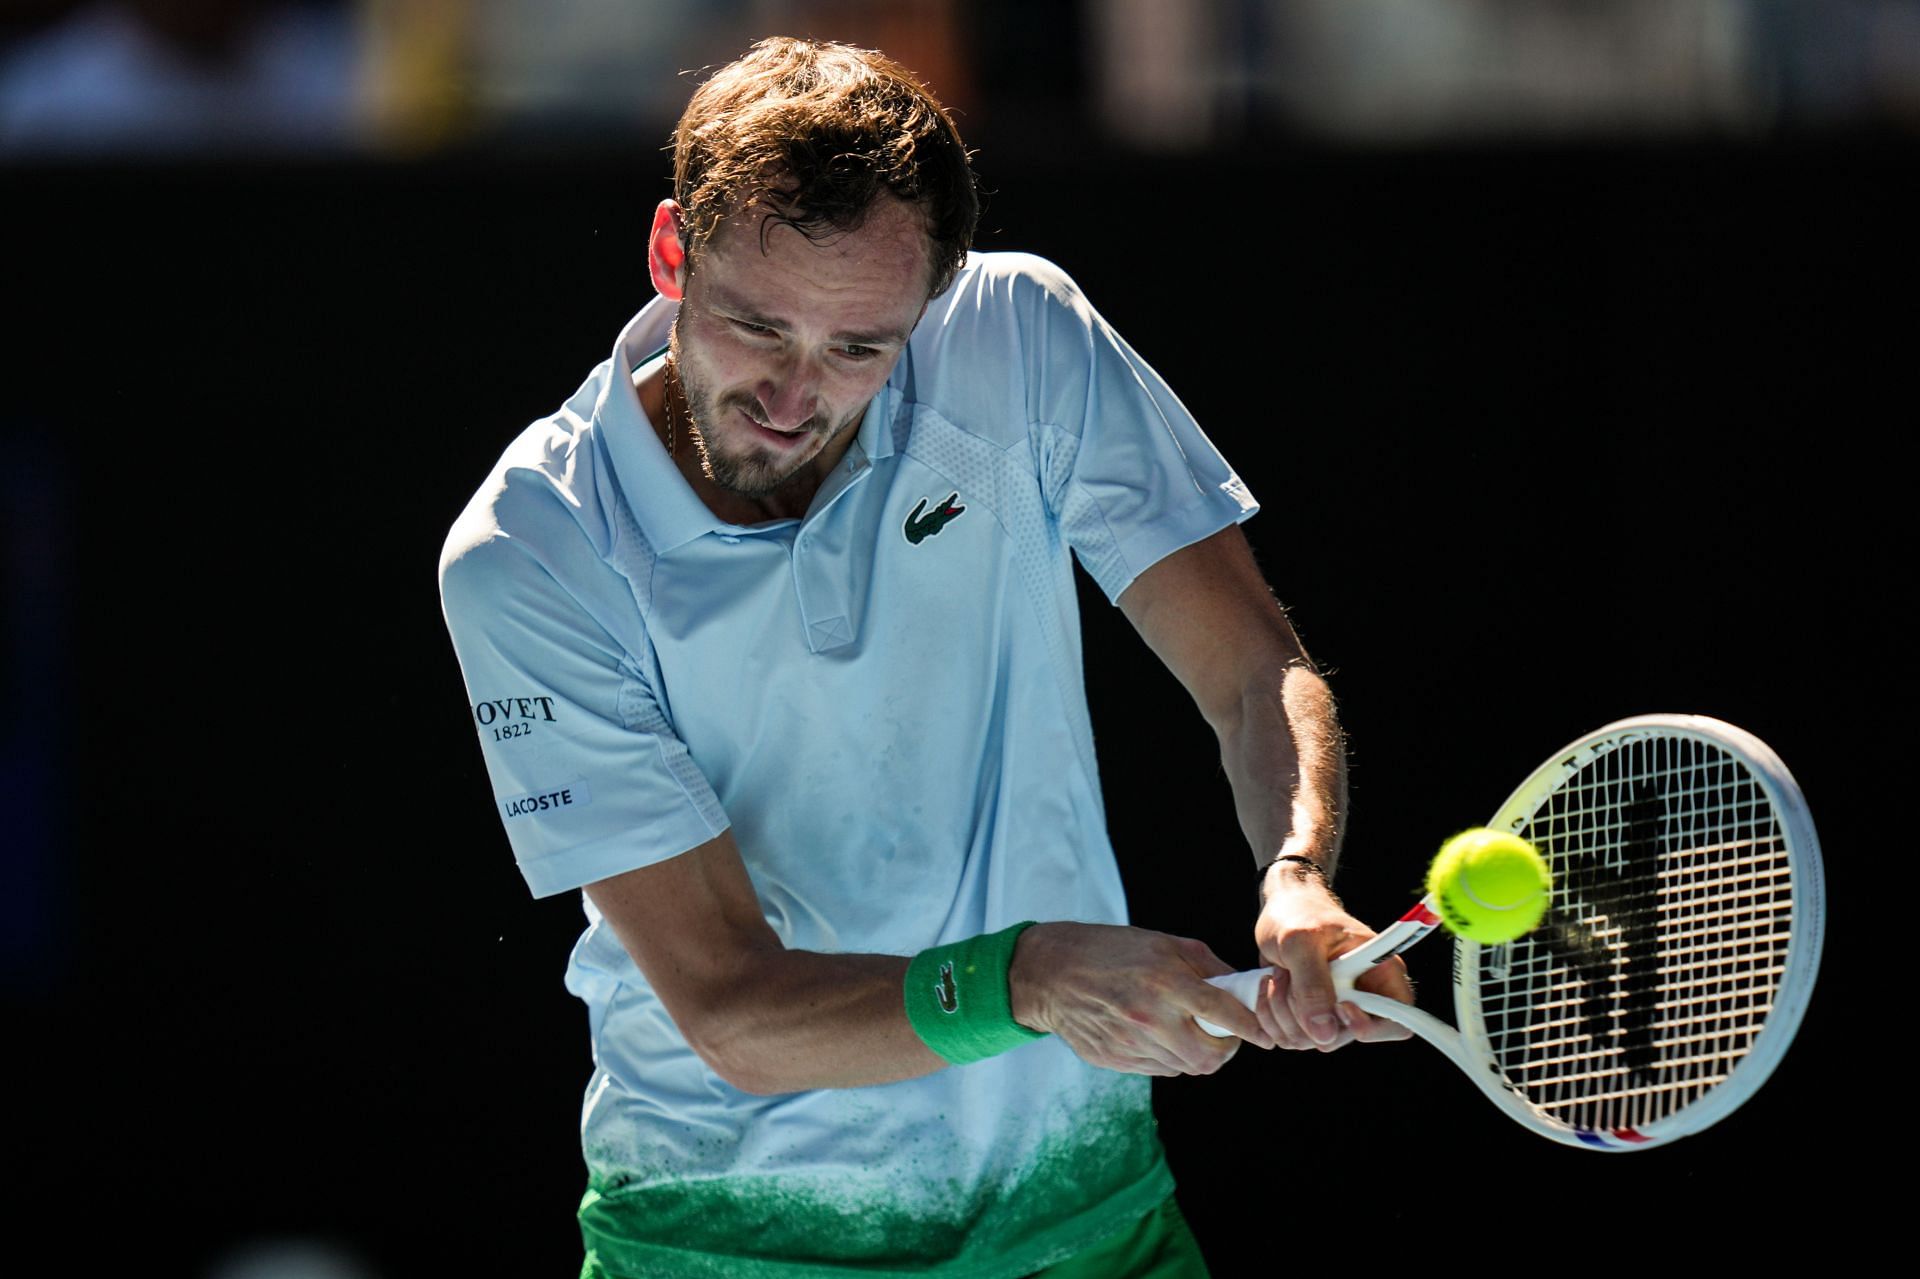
<point x="1544" y="437"/>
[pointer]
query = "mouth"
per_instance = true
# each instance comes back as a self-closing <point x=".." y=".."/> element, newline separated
<point x="777" y="438"/>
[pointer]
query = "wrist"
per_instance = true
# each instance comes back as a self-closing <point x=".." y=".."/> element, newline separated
<point x="959" y="997"/>
<point x="1294" y="871"/>
<point x="1026" y="978"/>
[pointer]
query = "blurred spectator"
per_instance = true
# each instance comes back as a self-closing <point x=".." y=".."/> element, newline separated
<point x="538" y="63"/>
<point x="1840" y="61"/>
<point x="118" y="77"/>
<point x="1186" y="74"/>
<point x="181" y="76"/>
<point x="1417" y="69"/>
<point x="1159" y="70"/>
<point x="547" y="70"/>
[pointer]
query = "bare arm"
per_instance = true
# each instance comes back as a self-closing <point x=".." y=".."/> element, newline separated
<point x="1207" y="613"/>
<point x="765" y="1018"/>
<point x="772" y="1020"/>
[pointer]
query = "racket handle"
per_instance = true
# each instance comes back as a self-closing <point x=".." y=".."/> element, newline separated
<point x="1396" y="937"/>
<point x="1243" y="986"/>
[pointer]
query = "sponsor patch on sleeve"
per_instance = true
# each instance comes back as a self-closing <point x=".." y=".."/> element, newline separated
<point x="507" y="718"/>
<point x="573" y="794"/>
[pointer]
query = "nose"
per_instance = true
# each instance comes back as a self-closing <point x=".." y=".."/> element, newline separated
<point x="789" y="397"/>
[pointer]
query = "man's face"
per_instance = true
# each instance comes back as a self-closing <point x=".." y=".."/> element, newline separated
<point x="780" y="351"/>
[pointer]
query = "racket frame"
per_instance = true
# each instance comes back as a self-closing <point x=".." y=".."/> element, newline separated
<point x="1469" y="1046"/>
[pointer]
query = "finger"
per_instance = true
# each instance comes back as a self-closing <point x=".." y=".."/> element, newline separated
<point x="1310" y="989"/>
<point x="1343" y="1013"/>
<point x="1207" y="1054"/>
<point x="1176" y="1045"/>
<point x="1214" y="1005"/>
<point x="1208" y="1003"/>
<point x="1279" y="1018"/>
<point x="1189" y="1050"/>
<point x="1374" y="1030"/>
<point x="1263" y="1009"/>
<point x="1193" y="1050"/>
<point x="1129" y="1057"/>
<point x="1388" y="978"/>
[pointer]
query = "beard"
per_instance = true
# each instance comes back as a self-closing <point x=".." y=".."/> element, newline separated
<point x="749" y="472"/>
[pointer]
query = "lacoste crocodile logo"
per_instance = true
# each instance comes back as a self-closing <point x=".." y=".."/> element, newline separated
<point x="944" y="990"/>
<point x="918" y="530"/>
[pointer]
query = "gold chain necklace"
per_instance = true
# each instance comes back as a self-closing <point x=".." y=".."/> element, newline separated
<point x="672" y="392"/>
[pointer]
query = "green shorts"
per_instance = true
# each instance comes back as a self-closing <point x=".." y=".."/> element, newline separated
<point x="1158" y="1246"/>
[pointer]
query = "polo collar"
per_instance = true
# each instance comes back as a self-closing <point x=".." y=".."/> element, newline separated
<point x="885" y="415"/>
<point x="669" y="512"/>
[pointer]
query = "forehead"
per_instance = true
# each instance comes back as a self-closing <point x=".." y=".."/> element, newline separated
<point x="886" y="263"/>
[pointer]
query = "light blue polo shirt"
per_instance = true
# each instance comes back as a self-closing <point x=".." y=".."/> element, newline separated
<point x="885" y="702"/>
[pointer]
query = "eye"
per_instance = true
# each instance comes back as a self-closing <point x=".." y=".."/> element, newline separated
<point x="748" y="326"/>
<point x="859" y="352"/>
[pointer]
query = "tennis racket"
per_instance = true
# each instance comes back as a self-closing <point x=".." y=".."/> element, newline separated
<point x="1675" y="960"/>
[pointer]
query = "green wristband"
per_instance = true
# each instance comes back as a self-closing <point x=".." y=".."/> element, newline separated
<point x="957" y="997"/>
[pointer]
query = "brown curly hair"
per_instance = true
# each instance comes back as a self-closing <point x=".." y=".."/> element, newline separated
<point x="813" y="132"/>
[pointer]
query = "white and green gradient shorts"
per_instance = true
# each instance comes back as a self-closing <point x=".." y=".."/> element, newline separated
<point x="1156" y="1245"/>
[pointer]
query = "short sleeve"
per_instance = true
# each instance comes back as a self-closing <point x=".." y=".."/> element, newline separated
<point x="588" y="776"/>
<point x="1127" y="471"/>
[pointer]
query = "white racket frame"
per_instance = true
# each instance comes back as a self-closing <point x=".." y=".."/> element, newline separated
<point x="1469" y="1048"/>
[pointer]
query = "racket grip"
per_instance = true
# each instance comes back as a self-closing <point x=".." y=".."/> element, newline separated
<point x="1244" y="987"/>
<point x="1346" y="969"/>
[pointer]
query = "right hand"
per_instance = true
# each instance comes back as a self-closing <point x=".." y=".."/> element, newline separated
<point x="1302" y="928"/>
<point x="1126" y="998"/>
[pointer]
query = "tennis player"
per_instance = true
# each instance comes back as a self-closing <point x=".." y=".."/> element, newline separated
<point x="771" y="639"/>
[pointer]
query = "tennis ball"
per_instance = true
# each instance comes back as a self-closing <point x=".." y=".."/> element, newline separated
<point x="1492" y="887"/>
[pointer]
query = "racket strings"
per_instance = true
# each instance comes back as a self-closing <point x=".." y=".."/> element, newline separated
<point x="1693" y="994"/>
<point x="1667" y="941"/>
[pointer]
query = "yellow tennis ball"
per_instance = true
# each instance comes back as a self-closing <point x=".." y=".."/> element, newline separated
<point x="1492" y="887"/>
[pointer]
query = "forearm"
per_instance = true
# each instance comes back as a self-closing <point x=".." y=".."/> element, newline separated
<point x="772" y="1020"/>
<point x="1285" y="758"/>
<point x="1123" y="998"/>
<point x="790" y="1020"/>
<point x="1207" y="612"/>
<point x="765" y="1018"/>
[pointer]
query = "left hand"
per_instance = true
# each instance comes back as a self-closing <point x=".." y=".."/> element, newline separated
<point x="1300" y="930"/>
<point x="1126" y="998"/>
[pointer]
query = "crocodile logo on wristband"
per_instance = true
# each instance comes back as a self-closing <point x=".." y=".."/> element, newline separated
<point x="946" y="992"/>
<point x="981" y="1025"/>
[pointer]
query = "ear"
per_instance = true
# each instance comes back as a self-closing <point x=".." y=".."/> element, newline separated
<point x="666" y="254"/>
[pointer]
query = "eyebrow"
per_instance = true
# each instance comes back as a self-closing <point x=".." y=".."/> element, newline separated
<point x="846" y="337"/>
